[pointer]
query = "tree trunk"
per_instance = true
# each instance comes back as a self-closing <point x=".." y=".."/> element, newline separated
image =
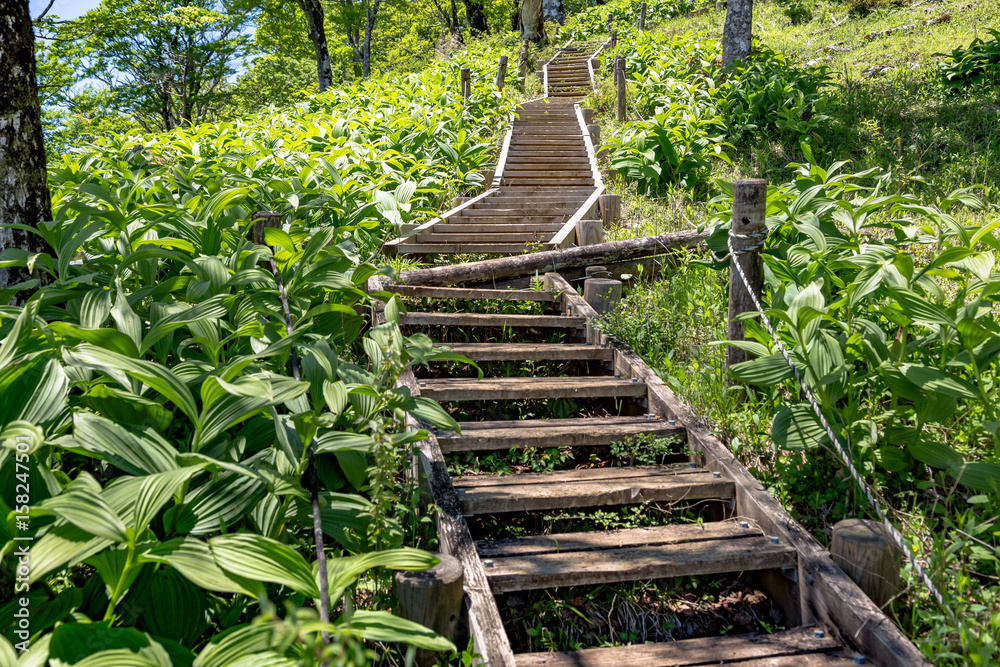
<point x="454" y="17"/>
<point x="313" y="9"/>
<point x="532" y="21"/>
<point x="24" y="187"/>
<point x="366" y="46"/>
<point x="476" y="16"/>
<point x="553" y="10"/>
<point x="737" y="32"/>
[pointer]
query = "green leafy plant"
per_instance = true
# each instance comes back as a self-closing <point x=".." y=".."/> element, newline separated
<point x="975" y="64"/>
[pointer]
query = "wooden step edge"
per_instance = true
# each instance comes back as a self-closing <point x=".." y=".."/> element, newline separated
<point x="795" y="643"/>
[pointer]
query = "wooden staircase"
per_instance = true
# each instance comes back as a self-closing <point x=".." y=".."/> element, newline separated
<point x="744" y="534"/>
<point x="546" y="181"/>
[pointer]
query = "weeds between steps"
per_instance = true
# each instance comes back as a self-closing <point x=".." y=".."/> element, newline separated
<point x="569" y="619"/>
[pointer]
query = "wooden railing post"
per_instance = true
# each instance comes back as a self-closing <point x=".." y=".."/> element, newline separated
<point x="611" y="208"/>
<point x="262" y="219"/>
<point x="862" y="551"/>
<point x="588" y="115"/>
<point x="466" y="82"/>
<point x="502" y="72"/>
<point x="589" y="232"/>
<point x="642" y="16"/>
<point x="595" y="134"/>
<point x="603" y="294"/>
<point x="614" y="35"/>
<point x="749" y="210"/>
<point x="620" y="79"/>
<point x="432" y="598"/>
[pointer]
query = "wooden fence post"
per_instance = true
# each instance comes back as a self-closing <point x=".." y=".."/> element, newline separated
<point x="595" y="134"/>
<point x="522" y="71"/>
<point x="432" y="598"/>
<point x="614" y="35"/>
<point x="620" y="78"/>
<point x="588" y="115"/>
<point x="749" y="209"/>
<point x="603" y="294"/>
<point x="262" y="219"/>
<point x="862" y="551"/>
<point x="466" y="83"/>
<point x="642" y="16"/>
<point x="611" y="208"/>
<point x="589" y="232"/>
<point x="502" y="72"/>
<point x="597" y="271"/>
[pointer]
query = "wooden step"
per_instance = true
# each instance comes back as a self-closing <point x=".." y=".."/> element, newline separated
<point x="485" y="237"/>
<point x="495" y="228"/>
<point x="493" y="320"/>
<point x="506" y="389"/>
<point x="542" y="214"/>
<point x="464" y="248"/>
<point x="420" y="291"/>
<point x="785" y="648"/>
<point x="594" y="487"/>
<point x="547" y="181"/>
<point x="552" y="173"/>
<point x="578" y="559"/>
<point x="580" y="432"/>
<point x="530" y="351"/>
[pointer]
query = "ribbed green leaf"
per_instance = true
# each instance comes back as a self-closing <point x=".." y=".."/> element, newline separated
<point x="61" y="545"/>
<point x="156" y="490"/>
<point x="81" y="506"/>
<point x="797" y="427"/>
<point x="72" y="642"/>
<point x="121" y="447"/>
<point x="936" y="454"/>
<point x="981" y="477"/>
<point x="933" y="380"/>
<point x="125" y="318"/>
<point x="226" y="648"/>
<point x="260" y="558"/>
<point x="430" y="411"/>
<point x="212" y="308"/>
<point x="114" y="569"/>
<point x="157" y="377"/>
<point x="174" y="607"/>
<point x="763" y="371"/>
<point x="49" y="397"/>
<point x="193" y="558"/>
<point x="109" y="339"/>
<point x="381" y="626"/>
<point x="127" y="409"/>
<point x="341" y="572"/>
<point x="231" y="403"/>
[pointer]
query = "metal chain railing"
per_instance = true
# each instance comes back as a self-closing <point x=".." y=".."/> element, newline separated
<point x="842" y="452"/>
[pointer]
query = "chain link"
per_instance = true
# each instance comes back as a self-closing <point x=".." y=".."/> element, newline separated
<point x="842" y="453"/>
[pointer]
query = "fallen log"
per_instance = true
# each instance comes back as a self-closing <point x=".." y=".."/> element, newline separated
<point x="552" y="260"/>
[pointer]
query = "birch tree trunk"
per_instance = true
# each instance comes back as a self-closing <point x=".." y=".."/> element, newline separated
<point x="313" y="9"/>
<point x="24" y="186"/>
<point x="532" y="21"/>
<point x="737" y="32"/>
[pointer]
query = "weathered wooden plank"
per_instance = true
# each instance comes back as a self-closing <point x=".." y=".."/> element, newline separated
<point x="460" y="248"/>
<point x="491" y="320"/>
<point x="501" y="389"/>
<point x="579" y="568"/>
<point x="500" y="236"/>
<point x="526" y="492"/>
<point x="496" y="227"/>
<point x="472" y="294"/>
<point x="528" y="351"/>
<point x="798" y="642"/>
<point x="536" y="433"/>
<point x="632" y="538"/>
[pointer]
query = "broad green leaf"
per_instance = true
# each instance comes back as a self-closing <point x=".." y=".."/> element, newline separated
<point x="157" y="377"/>
<point x="259" y="558"/>
<point x="156" y="490"/>
<point x="933" y="380"/>
<point x="341" y="572"/>
<point x="763" y="371"/>
<point x="981" y="477"/>
<point x="125" y="449"/>
<point x="797" y="427"/>
<point x="229" y="646"/>
<point x="81" y="506"/>
<point x="935" y="454"/>
<point x="193" y="559"/>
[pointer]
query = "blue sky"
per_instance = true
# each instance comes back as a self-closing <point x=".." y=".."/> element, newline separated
<point x="66" y="9"/>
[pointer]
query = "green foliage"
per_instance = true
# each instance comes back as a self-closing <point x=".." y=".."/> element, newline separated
<point x="644" y="449"/>
<point x="888" y="308"/>
<point x="975" y="64"/>
<point x="584" y="24"/>
<point x="692" y="111"/>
